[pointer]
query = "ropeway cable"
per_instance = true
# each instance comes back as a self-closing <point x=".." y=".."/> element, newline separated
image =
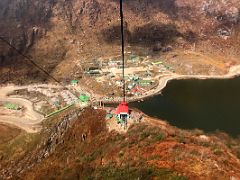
<point x="123" y="57"/>
<point x="30" y="60"/>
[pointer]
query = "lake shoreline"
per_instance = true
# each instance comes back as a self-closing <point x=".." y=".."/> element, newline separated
<point x="165" y="79"/>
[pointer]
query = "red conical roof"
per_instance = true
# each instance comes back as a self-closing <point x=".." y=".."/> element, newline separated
<point x="122" y="108"/>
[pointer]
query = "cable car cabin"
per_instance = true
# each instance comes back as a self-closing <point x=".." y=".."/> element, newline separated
<point x="122" y="111"/>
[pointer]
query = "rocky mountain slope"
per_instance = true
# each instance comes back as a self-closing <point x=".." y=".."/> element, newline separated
<point x="79" y="146"/>
<point x="59" y="35"/>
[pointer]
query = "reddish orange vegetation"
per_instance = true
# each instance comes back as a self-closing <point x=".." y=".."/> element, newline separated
<point x="160" y="147"/>
<point x="192" y="160"/>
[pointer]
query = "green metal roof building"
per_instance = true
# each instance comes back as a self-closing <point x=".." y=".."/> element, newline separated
<point x="84" y="98"/>
<point x="74" y="82"/>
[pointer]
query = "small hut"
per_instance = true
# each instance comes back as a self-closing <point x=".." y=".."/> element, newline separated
<point x="122" y="111"/>
<point x="84" y="98"/>
<point x="74" y="82"/>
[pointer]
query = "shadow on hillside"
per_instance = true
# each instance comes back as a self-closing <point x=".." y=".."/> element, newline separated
<point x="150" y="34"/>
<point x="17" y="69"/>
<point x="22" y="26"/>
<point x="147" y="35"/>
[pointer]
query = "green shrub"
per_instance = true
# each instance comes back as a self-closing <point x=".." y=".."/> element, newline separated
<point x="163" y="172"/>
<point x="179" y="178"/>
<point x="159" y="137"/>
<point x="144" y="135"/>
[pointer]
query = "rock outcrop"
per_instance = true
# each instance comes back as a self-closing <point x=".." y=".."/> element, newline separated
<point x="47" y="146"/>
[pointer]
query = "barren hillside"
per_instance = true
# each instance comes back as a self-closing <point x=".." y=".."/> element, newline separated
<point x="61" y="35"/>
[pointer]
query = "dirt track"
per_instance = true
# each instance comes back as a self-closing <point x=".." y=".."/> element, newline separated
<point x="30" y="121"/>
